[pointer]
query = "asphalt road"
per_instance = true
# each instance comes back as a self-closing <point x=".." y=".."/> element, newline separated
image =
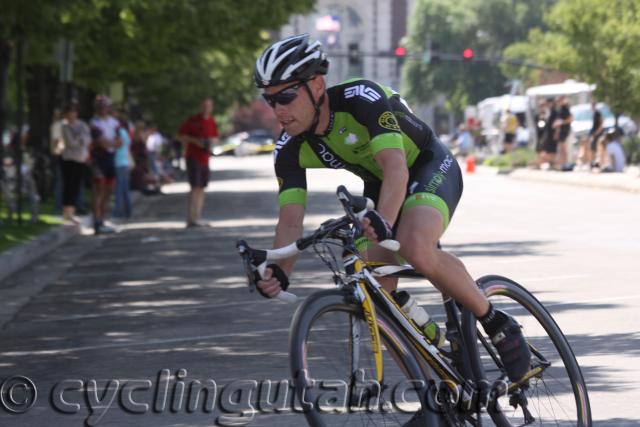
<point x="121" y="316"/>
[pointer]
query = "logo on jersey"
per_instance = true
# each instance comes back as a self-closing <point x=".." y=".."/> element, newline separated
<point x="388" y="121"/>
<point x="281" y="143"/>
<point x="351" y="139"/>
<point x="329" y="159"/>
<point x="342" y="130"/>
<point x="362" y="91"/>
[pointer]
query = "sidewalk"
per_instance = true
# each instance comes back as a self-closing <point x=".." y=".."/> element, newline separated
<point x="627" y="181"/>
<point x="22" y="255"/>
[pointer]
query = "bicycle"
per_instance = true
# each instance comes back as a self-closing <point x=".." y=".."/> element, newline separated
<point x="354" y="352"/>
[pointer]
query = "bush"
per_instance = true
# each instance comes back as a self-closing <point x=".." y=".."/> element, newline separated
<point x="518" y="158"/>
<point x="631" y="148"/>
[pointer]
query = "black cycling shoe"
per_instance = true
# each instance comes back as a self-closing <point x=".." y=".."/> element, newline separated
<point x="513" y="349"/>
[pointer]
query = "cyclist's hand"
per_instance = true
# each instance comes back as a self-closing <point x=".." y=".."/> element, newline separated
<point x="375" y="227"/>
<point x="274" y="281"/>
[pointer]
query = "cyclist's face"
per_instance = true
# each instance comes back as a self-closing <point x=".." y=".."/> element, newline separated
<point x="292" y="106"/>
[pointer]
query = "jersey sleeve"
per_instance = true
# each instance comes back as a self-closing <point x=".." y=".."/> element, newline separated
<point x="292" y="178"/>
<point x="369" y="104"/>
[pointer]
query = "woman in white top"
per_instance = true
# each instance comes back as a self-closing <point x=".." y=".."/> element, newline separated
<point x="76" y="137"/>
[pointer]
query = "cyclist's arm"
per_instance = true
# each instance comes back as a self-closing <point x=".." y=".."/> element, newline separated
<point x="288" y="230"/>
<point x="396" y="175"/>
<point x="292" y="195"/>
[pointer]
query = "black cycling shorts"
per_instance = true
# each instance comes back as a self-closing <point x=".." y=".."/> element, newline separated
<point x="435" y="180"/>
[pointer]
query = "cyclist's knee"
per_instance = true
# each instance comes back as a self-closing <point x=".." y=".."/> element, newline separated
<point x="421" y="254"/>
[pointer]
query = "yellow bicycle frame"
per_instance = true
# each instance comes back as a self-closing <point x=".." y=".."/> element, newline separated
<point x="369" y="310"/>
<point x="370" y="316"/>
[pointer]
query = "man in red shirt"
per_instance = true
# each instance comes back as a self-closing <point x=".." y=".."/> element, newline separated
<point x="198" y="133"/>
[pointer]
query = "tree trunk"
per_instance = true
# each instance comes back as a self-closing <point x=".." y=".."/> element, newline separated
<point x="5" y="58"/>
<point x="41" y="85"/>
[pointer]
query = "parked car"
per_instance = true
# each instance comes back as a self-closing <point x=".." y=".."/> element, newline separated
<point x="255" y="142"/>
<point x="583" y="120"/>
<point x="229" y="144"/>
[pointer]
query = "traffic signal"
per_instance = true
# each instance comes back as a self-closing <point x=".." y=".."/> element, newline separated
<point x="400" y="53"/>
<point x="353" y="53"/>
<point x="468" y="54"/>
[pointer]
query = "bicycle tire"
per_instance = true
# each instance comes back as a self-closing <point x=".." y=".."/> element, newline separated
<point x="302" y="349"/>
<point x="513" y="298"/>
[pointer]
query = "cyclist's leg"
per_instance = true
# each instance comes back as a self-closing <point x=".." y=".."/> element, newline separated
<point x="435" y="187"/>
<point x="373" y="252"/>
<point x="419" y="231"/>
<point x="434" y="192"/>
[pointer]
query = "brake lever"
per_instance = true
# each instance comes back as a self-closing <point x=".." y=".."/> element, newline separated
<point x="345" y="199"/>
<point x="255" y="272"/>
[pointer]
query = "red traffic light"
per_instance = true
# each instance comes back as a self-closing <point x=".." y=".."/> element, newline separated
<point x="467" y="53"/>
<point x="400" y="51"/>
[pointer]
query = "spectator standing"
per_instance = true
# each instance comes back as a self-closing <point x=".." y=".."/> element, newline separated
<point x="509" y="127"/>
<point x="104" y="129"/>
<point x="564" y="129"/>
<point x="198" y="133"/>
<point x="550" y="139"/>
<point x="76" y="138"/>
<point x="154" y="142"/>
<point x="597" y="129"/>
<point x="464" y="141"/>
<point x="56" y="146"/>
<point x="122" y="207"/>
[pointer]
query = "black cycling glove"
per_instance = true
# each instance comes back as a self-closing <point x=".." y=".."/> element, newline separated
<point x="380" y="225"/>
<point x="279" y="274"/>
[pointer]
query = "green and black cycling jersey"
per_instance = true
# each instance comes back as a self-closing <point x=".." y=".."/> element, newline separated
<point x="365" y="119"/>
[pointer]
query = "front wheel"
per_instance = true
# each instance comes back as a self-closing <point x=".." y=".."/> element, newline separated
<point x="556" y="393"/>
<point x="333" y="367"/>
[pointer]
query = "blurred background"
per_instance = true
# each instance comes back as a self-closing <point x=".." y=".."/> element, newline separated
<point x="460" y="64"/>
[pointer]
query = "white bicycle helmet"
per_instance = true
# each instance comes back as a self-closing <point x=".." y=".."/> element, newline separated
<point x="295" y="58"/>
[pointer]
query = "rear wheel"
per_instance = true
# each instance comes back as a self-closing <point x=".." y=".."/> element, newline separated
<point x="333" y="367"/>
<point x="556" y="395"/>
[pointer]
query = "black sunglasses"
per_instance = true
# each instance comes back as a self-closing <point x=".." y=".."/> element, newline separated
<point x="283" y="97"/>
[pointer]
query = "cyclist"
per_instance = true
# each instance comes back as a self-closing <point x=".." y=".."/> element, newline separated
<point x="414" y="180"/>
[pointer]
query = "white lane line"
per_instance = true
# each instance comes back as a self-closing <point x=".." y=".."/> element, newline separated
<point x="136" y="344"/>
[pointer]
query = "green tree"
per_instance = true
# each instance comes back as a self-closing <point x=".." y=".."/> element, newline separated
<point x="486" y="26"/>
<point x="167" y="53"/>
<point x="595" y="40"/>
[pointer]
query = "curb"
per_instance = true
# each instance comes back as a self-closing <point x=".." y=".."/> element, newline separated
<point x="628" y="181"/>
<point x="22" y="255"/>
<point x="621" y="182"/>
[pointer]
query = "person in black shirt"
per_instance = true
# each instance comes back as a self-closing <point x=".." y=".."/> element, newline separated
<point x="550" y="138"/>
<point x="597" y="128"/>
<point x="563" y="129"/>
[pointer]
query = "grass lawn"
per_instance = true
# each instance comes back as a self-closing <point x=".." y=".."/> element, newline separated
<point x="12" y="234"/>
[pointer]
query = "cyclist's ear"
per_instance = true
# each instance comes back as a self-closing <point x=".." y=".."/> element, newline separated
<point x="317" y="86"/>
